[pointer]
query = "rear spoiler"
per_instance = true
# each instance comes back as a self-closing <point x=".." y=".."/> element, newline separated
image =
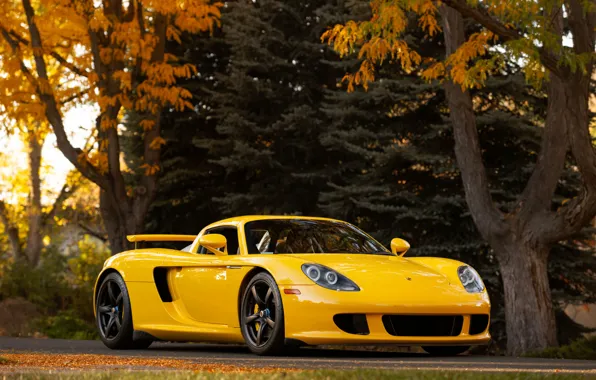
<point x="159" y="237"/>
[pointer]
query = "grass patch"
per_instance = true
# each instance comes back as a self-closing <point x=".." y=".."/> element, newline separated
<point x="304" y="375"/>
<point x="3" y="360"/>
<point x="580" y="349"/>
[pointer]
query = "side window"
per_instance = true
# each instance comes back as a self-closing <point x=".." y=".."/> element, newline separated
<point x="231" y="235"/>
<point x="259" y="241"/>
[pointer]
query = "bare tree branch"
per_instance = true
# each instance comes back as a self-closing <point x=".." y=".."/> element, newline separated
<point x="54" y="55"/>
<point x="75" y="96"/>
<point x="487" y="217"/>
<point x="537" y="196"/>
<point x="88" y="230"/>
<point x="65" y="192"/>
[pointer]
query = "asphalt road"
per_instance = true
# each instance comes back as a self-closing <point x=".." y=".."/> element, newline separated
<point x="307" y="358"/>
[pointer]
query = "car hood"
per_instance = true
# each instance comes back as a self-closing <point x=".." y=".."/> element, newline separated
<point x="388" y="274"/>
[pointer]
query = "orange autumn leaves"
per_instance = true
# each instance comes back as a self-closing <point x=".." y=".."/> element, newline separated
<point x="37" y="361"/>
<point x="382" y="38"/>
<point x="111" y="54"/>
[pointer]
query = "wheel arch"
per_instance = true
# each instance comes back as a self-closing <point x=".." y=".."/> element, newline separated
<point x="100" y="279"/>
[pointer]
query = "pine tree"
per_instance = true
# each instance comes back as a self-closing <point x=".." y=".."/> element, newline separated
<point x="266" y="107"/>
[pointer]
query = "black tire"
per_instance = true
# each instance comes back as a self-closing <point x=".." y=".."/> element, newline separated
<point x="445" y="350"/>
<point x="262" y="316"/>
<point x="114" y="316"/>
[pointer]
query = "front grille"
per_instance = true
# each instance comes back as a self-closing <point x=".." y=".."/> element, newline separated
<point x="478" y="323"/>
<point x="423" y="325"/>
<point x="352" y="323"/>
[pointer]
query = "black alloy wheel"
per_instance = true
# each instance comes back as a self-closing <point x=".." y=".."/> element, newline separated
<point x="114" y="316"/>
<point x="262" y="318"/>
<point x="110" y="309"/>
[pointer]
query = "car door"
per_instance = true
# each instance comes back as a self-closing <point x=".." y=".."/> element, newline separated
<point x="207" y="286"/>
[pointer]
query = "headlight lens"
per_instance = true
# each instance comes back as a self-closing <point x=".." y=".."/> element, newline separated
<point x="470" y="279"/>
<point x="328" y="278"/>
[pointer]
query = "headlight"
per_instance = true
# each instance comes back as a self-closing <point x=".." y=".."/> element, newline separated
<point x="328" y="278"/>
<point x="470" y="279"/>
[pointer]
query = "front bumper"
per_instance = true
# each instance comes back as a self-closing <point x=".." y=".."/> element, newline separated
<point x="309" y="317"/>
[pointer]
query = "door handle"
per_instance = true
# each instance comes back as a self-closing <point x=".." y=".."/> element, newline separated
<point x="233" y="267"/>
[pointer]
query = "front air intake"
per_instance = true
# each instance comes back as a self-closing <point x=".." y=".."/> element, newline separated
<point x="423" y="325"/>
<point x="352" y="323"/>
<point x="478" y="323"/>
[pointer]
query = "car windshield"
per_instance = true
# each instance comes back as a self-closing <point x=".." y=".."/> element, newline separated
<point x="308" y="236"/>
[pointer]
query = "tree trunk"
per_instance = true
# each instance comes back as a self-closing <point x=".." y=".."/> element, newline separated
<point x="122" y="218"/>
<point x="114" y="220"/>
<point x="34" y="235"/>
<point x="12" y="232"/>
<point x="529" y="315"/>
<point x="517" y="238"/>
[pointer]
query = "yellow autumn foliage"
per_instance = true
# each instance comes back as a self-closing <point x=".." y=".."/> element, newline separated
<point x="381" y="38"/>
<point x="107" y="53"/>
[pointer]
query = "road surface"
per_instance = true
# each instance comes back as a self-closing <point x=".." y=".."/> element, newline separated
<point x="307" y="358"/>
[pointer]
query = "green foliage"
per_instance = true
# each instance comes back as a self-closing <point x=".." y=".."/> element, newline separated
<point x="66" y="325"/>
<point x="61" y="287"/>
<point x="580" y="349"/>
<point x="46" y="285"/>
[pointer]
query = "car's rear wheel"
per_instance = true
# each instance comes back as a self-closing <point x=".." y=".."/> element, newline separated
<point x="445" y="350"/>
<point x="262" y="316"/>
<point x="114" y="316"/>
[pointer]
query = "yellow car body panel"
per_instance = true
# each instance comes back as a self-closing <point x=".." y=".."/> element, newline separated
<point x="205" y="291"/>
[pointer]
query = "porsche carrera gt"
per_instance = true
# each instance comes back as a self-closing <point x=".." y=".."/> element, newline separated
<point x="274" y="282"/>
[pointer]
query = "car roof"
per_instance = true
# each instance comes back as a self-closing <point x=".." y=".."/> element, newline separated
<point x="250" y="218"/>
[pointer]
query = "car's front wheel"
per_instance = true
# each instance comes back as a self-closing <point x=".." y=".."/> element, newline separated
<point x="262" y="316"/>
<point x="114" y="316"/>
<point x="445" y="350"/>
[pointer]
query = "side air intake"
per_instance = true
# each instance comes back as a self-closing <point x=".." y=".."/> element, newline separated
<point x="160" y="276"/>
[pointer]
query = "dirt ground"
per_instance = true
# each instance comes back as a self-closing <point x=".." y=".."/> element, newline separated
<point x="15" y="316"/>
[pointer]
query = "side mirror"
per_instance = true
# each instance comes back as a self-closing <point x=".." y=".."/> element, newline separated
<point x="213" y="242"/>
<point x="399" y="246"/>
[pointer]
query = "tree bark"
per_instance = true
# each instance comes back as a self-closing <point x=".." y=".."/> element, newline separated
<point x="529" y="314"/>
<point x="114" y="223"/>
<point x="122" y="217"/>
<point x="34" y="235"/>
<point x="516" y="238"/>
<point x="12" y="232"/>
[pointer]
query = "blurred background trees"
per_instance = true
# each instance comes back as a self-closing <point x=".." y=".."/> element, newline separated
<point x="272" y="130"/>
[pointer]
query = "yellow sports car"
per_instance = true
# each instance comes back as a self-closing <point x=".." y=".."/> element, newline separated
<point x="274" y="282"/>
